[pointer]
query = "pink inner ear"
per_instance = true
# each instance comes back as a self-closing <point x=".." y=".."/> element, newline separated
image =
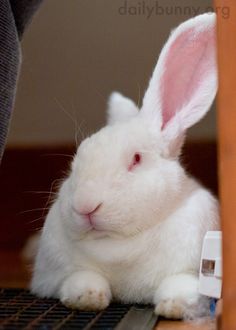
<point x="187" y="65"/>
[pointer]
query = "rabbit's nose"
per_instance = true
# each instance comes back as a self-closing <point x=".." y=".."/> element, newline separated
<point x="91" y="212"/>
<point x="87" y="211"/>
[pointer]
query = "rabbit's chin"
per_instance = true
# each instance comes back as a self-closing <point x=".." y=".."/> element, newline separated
<point x="93" y="234"/>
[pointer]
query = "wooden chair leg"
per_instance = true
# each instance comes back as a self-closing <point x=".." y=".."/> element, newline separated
<point x="226" y="39"/>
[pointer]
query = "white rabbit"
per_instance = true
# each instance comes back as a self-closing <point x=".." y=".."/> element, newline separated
<point x="128" y="222"/>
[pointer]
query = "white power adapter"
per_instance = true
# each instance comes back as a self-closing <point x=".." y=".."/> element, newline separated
<point x="210" y="278"/>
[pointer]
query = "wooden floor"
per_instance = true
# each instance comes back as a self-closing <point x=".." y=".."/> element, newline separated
<point x="15" y="273"/>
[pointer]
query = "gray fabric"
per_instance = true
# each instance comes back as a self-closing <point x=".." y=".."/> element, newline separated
<point x="23" y="11"/>
<point x="14" y="16"/>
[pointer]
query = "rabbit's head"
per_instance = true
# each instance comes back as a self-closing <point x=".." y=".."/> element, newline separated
<point x="127" y="177"/>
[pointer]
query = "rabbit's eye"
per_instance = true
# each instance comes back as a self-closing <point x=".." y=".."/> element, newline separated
<point x="136" y="160"/>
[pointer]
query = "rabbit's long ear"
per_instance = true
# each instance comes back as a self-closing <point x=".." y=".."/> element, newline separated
<point x="120" y="108"/>
<point x="184" y="82"/>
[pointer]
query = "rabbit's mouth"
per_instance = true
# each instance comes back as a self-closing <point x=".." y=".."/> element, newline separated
<point x="94" y="226"/>
<point x="90" y="220"/>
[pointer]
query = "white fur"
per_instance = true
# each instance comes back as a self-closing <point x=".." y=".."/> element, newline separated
<point x="120" y="108"/>
<point x="146" y="241"/>
<point x="86" y="290"/>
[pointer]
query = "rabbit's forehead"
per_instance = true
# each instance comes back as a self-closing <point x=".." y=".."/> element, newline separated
<point x="117" y="138"/>
<point x="113" y="143"/>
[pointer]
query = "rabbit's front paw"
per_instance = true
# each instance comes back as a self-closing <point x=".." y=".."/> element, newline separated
<point x="89" y="299"/>
<point x="86" y="291"/>
<point x="170" y="308"/>
<point x="177" y="297"/>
